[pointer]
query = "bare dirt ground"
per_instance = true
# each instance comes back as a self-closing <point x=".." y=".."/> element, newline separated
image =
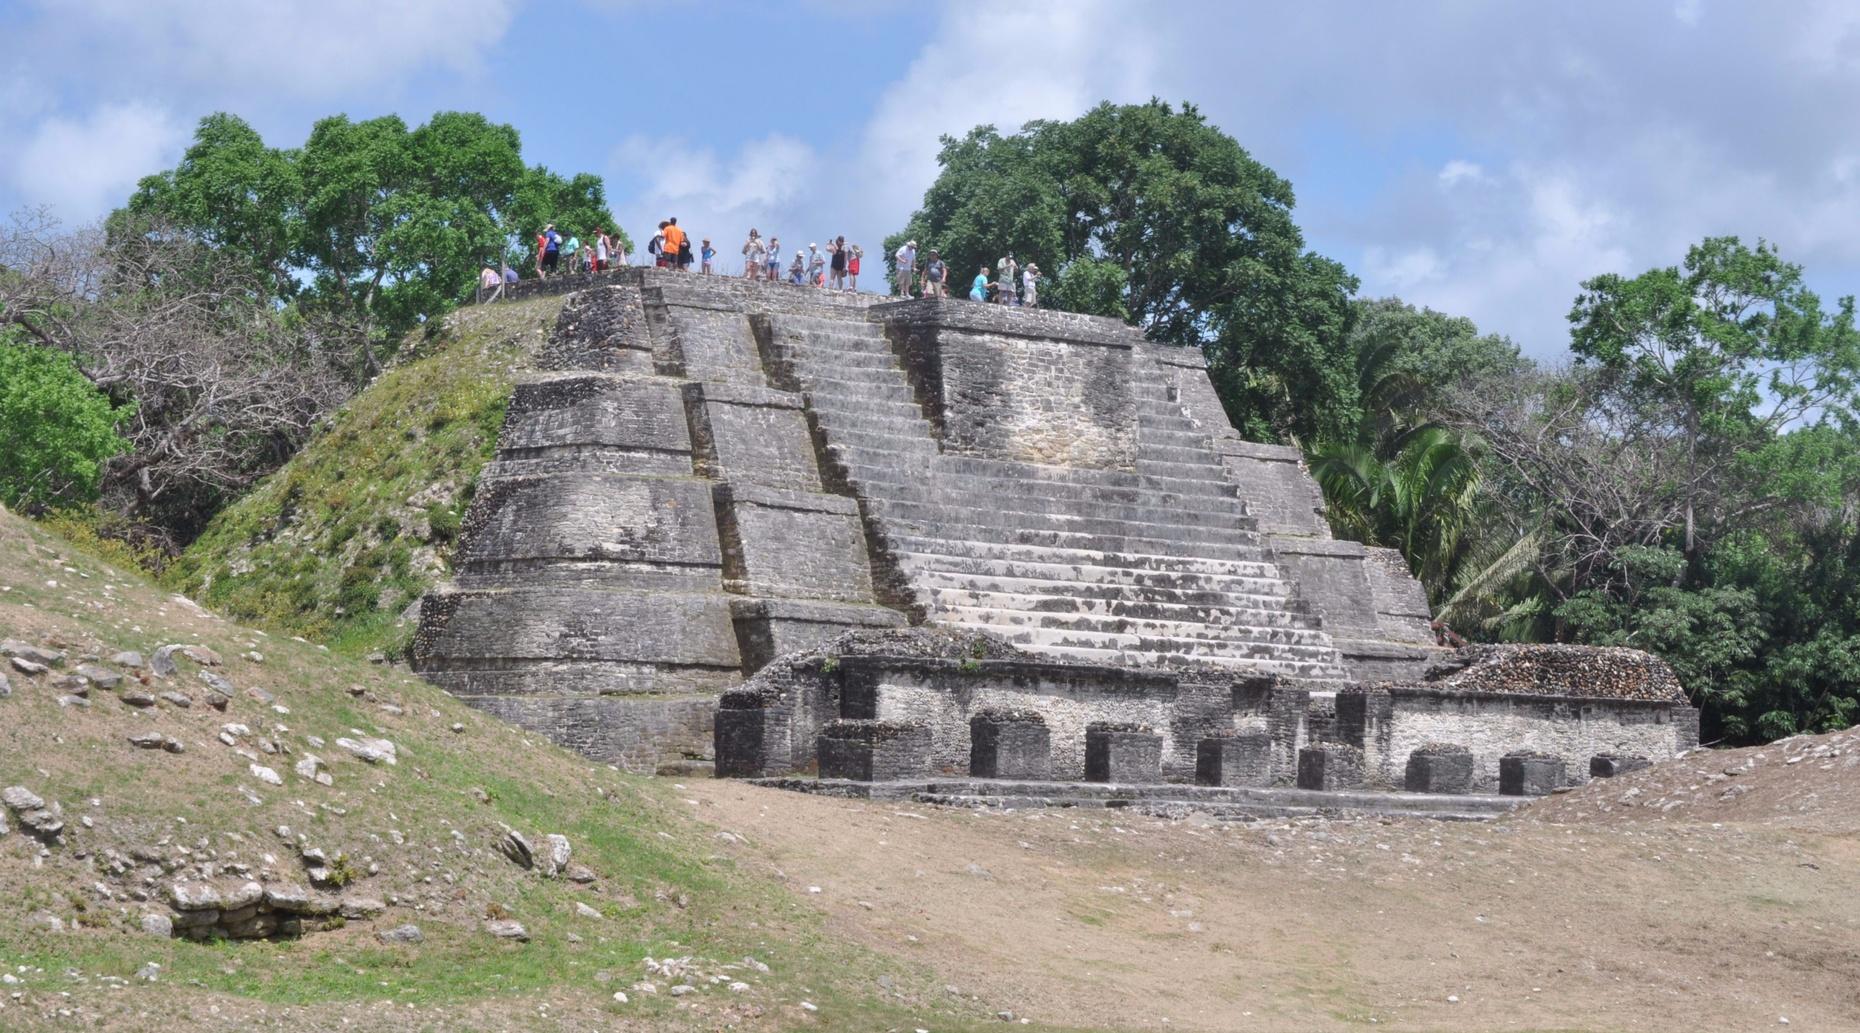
<point x="1095" y="919"/>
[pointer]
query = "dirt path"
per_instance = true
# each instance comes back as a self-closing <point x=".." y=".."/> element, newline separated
<point x="1094" y="920"/>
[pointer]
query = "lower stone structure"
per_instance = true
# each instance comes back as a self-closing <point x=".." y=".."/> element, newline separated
<point x="1234" y="760"/>
<point x="1529" y="773"/>
<point x="1330" y="766"/>
<point x="1439" y="768"/>
<point x="1010" y="744"/>
<point x="873" y="751"/>
<point x="1122" y="753"/>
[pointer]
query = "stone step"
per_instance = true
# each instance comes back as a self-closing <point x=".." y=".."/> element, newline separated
<point x="1272" y="642"/>
<point x="826" y="360"/>
<point x="823" y="393"/>
<point x="856" y="440"/>
<point x="1134" y="651"/>
<point x="851" y="324"/>
<point x="1208" y="470"/>
<point x="1200" y="453"/>
<point x="1190" y="438"/>
<point x="1087" y="542"/>
<point x="875" y="406"/>
<point x="938" y="485"/>
<point x="1009" y="473"/>
<point x="1223" y="611"/>
<point x="847" y="378"/>
<point x="910" y="425"/>
<point x="1019" y="512"/>
<point x="1134" y="560"/>
<point x="1251" y="579"/>
<point x="1115" y="504"/>
<point x="1116" y="599"/>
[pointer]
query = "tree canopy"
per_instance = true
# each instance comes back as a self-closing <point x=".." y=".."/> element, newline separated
<point x="57" y="429"/>
<point x="369" y="224"/>
<point x="1149" y="214"/>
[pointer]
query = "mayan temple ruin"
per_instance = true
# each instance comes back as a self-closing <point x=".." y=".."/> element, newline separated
<point x="795" y="531"/>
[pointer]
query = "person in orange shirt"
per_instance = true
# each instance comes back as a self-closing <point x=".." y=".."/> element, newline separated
<point x="675" y="244"/>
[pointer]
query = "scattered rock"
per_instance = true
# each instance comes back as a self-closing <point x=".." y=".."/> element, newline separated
<point x="25" y="666"/>
<point x="580" y="873"/>
<point x="137" y="698"/>
<point x="45" y="922"/>
<point x="177" y="699"/>
<point x="74" y="701"/>
<point x="156" y="741"/>
<point x="162" y="663"/>
<point x="128" y="658"/>
<point x="149" y="973"/>
<point x="374" y="751"/>
<point x="202" y="655"/>
<point x="362" y="907"/>
<point x="408" y="933"/>
<point x="682" y="989"/>
<point x="507" y="929"/>
<point x="102" y="677"/>
<point x="516" y="847"/>
<point x="311" y="768"/>
<point x="555" y="858"/>
<point x="32" y="654"/>
<point x="6" y="686"/>
<point x="156" y="924"/>
<point x="194" y="896"/>
<point x="19" y="798"/>
<point x="585" y="911"/>
<point x="75" y="684"/>
<point x="216" y="683"/>
<point x="266" y="775"/>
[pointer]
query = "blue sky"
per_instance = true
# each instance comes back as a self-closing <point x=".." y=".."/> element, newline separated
<point x="1481" y="158"/>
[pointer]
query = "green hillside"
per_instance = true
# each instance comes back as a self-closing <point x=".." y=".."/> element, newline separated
<point x="420" y="836"/>
<point x="343" y="539"/>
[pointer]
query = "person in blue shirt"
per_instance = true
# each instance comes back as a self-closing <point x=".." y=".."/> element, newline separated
<point x="552" y="248"/>
<point x="706" y="255"/>
<point x="510" y="275"/>
<point x="978" y="291"/>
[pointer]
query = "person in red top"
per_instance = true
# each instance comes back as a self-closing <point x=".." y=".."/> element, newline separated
<point x="852" y="267"/>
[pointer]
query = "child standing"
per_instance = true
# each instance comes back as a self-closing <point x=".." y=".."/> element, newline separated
<point x="774" y="269"/>
<point x="706" y="255"/>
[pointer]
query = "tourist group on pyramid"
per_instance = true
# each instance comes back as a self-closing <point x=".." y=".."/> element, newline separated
<point x="834" y="267"/>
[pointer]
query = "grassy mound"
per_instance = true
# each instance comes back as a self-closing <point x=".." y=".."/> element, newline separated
<point x="337" y="544"/>
<point x="420" y="835"/>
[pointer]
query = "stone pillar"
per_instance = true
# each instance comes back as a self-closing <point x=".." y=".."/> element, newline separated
<point x="1440" y="768"/>
<point x="874" y="751"/>
<point x="1010" y="744"/>
<point x="753" y="736"/>
<point x="1122" y="753"/>
<point x="1529" y="774"/>
<point x="1234" y="760"/>
<point x="1330" y="766"/>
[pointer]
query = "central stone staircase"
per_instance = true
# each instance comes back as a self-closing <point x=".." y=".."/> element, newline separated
<point x="1156" y="566"/>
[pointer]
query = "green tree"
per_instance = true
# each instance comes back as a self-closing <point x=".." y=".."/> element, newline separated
<point x="1150" y="214"/>
<point x="1719" y="356"/>
<point x="56" y="430"/>
<point x="369" y="225"/>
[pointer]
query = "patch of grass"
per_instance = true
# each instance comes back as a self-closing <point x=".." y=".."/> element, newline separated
<point x="358" y="525"/>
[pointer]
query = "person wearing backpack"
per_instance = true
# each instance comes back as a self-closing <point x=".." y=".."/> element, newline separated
<point x="657" y="248"/>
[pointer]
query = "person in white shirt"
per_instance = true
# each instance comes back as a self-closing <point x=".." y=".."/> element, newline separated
<point x="907" y="267"/>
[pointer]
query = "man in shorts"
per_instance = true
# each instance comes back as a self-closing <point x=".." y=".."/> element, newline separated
<point x="907" y="267"/>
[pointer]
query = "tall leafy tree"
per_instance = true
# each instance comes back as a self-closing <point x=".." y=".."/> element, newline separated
<point x="369" y="225"/>
<point x="1148" y="213"/>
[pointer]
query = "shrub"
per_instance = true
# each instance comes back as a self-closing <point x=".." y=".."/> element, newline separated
<point x="56" y="430"/>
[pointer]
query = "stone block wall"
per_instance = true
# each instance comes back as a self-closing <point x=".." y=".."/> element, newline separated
<point x="1038" y="387"/>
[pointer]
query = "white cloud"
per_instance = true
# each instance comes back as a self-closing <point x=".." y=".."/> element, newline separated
<point x="1457" y="171"/>
<point x="1404" y="270"/>
<point x="329" y="48"/>
<point x="83" y="167"/>
<point x="767" y="183"/>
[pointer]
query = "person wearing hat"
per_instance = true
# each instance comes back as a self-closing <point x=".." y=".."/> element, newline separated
<point x="907" y="267"/>
<point x="816" y="266"/>
<point x="1030" y="286"/>
<point x="797" y="272"/>
<point x="1007" y="289"/>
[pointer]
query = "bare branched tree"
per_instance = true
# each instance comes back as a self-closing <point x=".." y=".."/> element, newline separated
<point x="226" y="385"/>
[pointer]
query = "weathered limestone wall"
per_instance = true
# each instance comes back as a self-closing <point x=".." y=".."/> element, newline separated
<point x="1390" y="724"/>
<point x="945" y="695"/>
<point x="1039" y="387"/>
<point x="654" y="523"/>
